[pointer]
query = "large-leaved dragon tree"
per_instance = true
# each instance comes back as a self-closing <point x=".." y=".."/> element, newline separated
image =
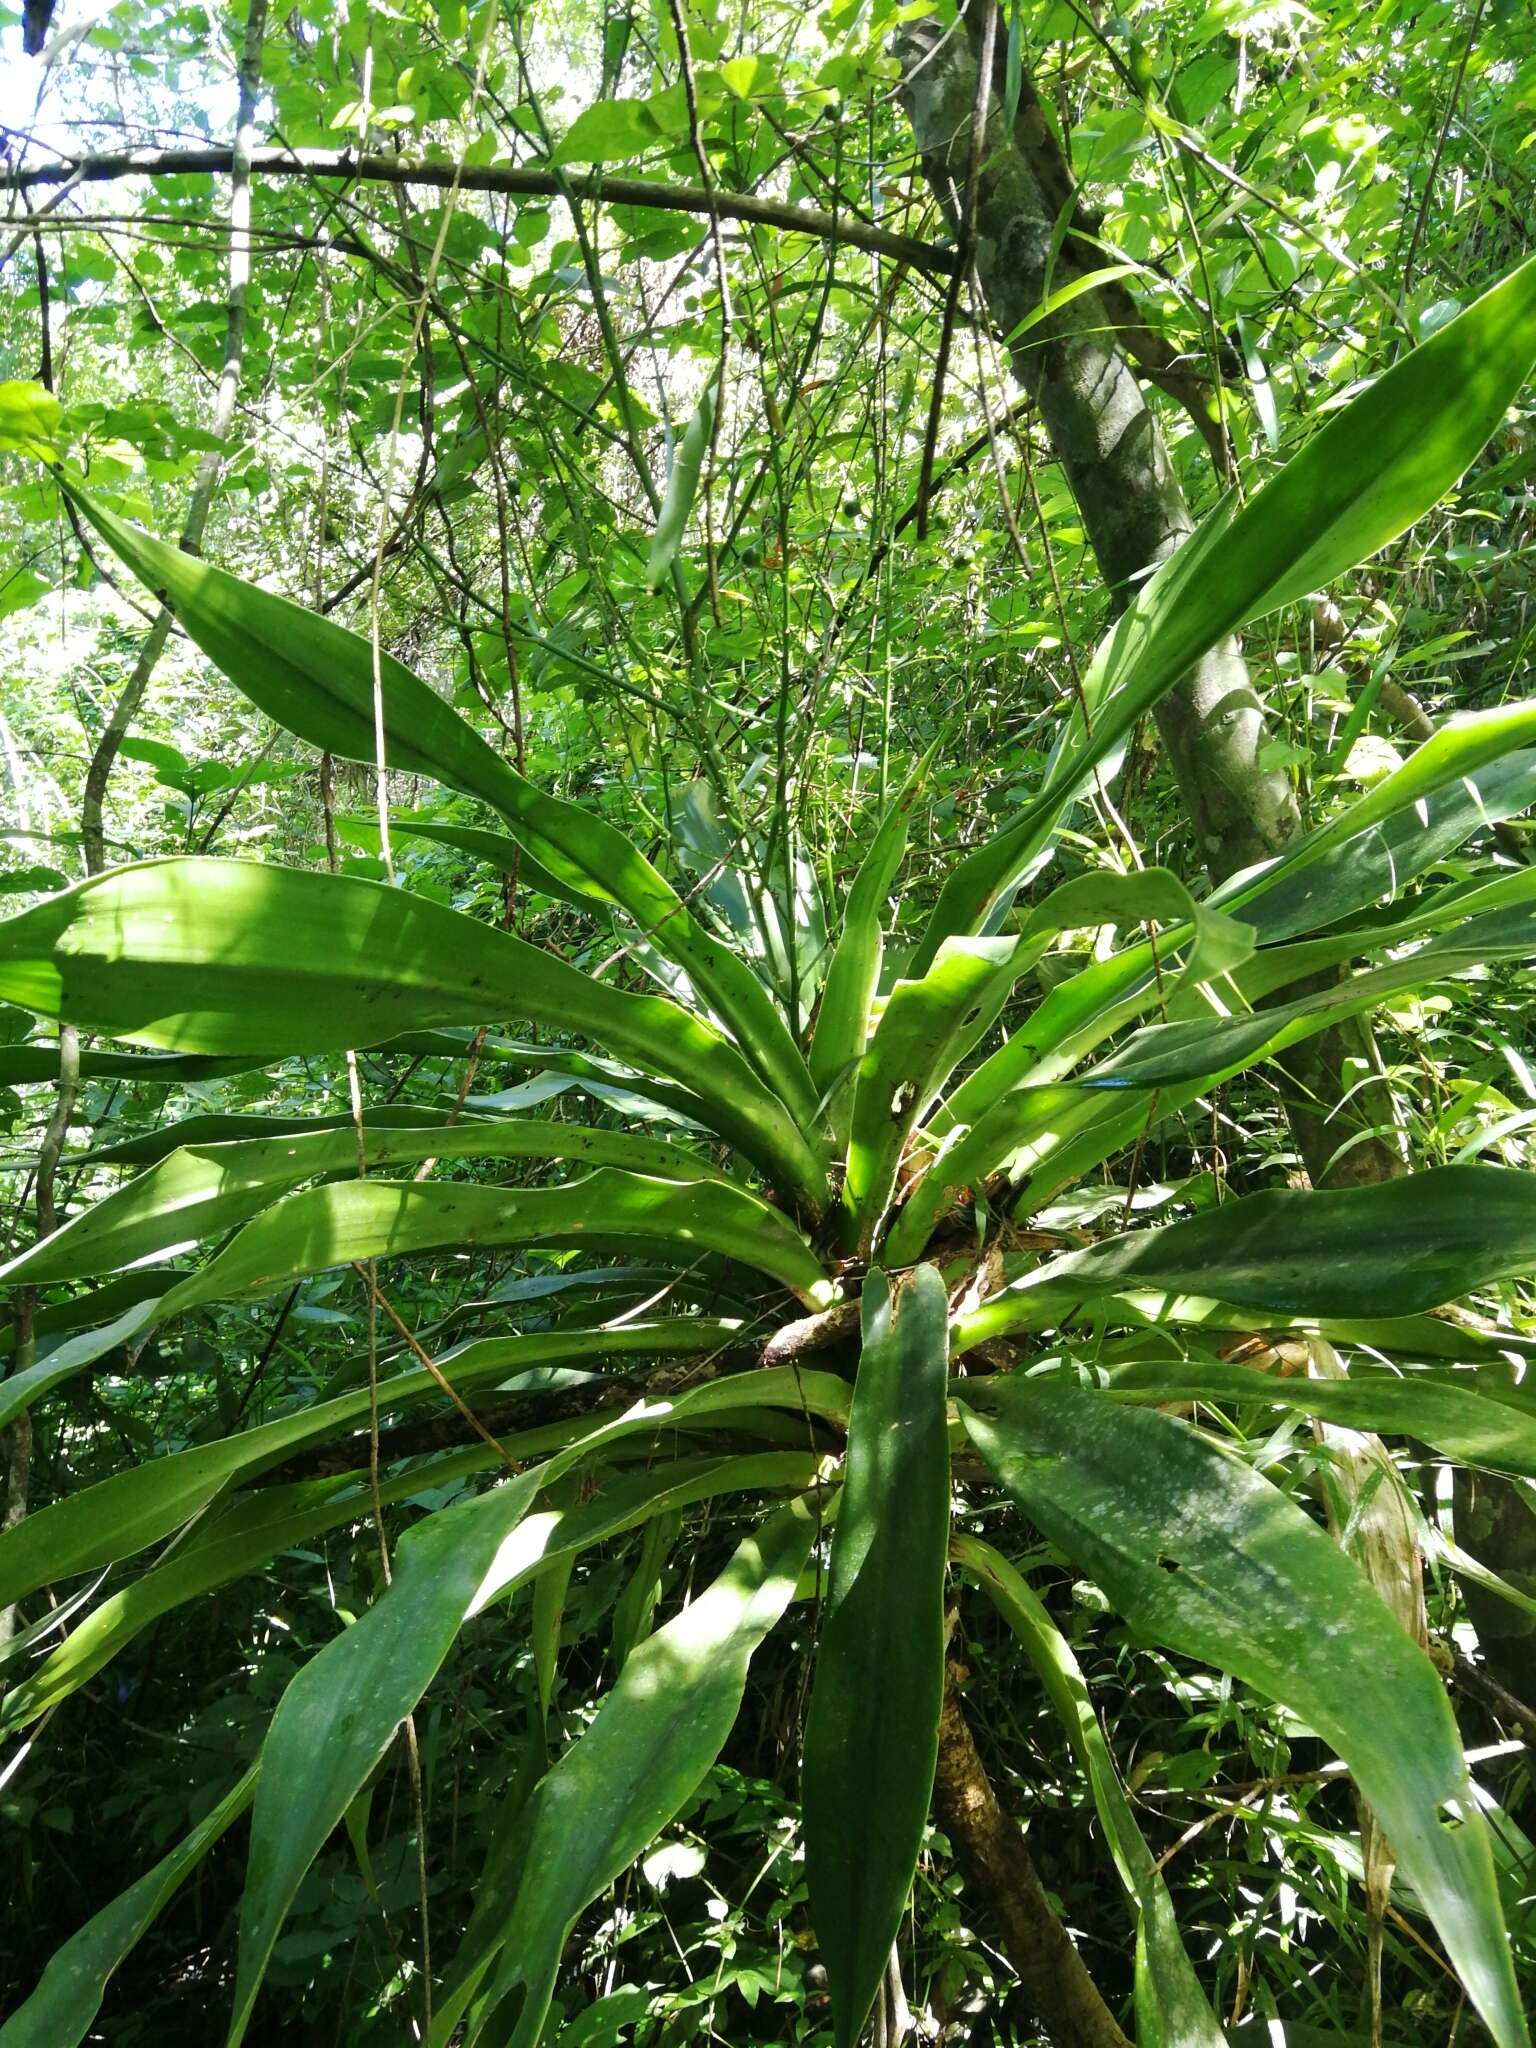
<point x="860" y="1187"/>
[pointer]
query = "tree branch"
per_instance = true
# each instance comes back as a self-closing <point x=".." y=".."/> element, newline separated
<point x="814" y="221"/>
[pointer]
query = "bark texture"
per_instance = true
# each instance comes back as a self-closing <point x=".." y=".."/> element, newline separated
<point x="1051" y="1973"/>
<point x="1004" y="212"/>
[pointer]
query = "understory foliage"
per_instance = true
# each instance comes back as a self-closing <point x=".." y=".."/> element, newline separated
<point x="658" y="1222"/>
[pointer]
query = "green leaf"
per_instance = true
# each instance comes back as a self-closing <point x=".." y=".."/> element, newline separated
<point x="1457" y="1420"/>
<point x="60" y="2011"/>
<point x="1205" y="1557"/>
<point x="872" y="1729"/>
<point x="244" y="1533"/>
<point x="682" y="484"/>
<point x="497" y="849"/>
<point x="841" y="1036"/>
<point x="200" y="1190"/>
<point x="132" y="1508"/>
<point x="1392" y="1249"/>
<point x="340" y="1714"/>
<point x="21" y="1389"/>
<point x="1378" y="464"/>
<point x="611" y="132"/>
<point x="1171" y="2009"/>
<point x="364" y="1219"/>
<point x="220" y="956"/>
<point x="655" y="1736"/>
<point x="928" y="1026"/>
<point x="148" y="1148"/>
<point x="29" y="419"/>
<point x="318" y="680"/>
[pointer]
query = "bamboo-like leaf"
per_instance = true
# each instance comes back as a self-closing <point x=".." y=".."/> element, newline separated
<point x="655" y="1736"/>
<point x="682" y="485"/>
<point x="318" y="680"/>
<point x="871" y="1735"/>
<point x="1203" y="1555"/>
<point x="199" y="1191"/>
<point x="1171" y="2009"/>
<point x="853" y="976"/>
<point x="364" y="1219"/>
<point x="62" y="2008"/>
<point x="219" y="956"/>
<point x="1377" y="465"/>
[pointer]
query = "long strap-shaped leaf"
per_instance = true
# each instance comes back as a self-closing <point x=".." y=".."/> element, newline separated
<point x="1171" y="1064"/>
<point x="1292" y="895"/>
<point x="1199" y="1552"/>
<point x="1171" y="2009"/>
<point x="1377" y="465"/>
<point x="339" y="1715"/>
<point x="219" y="956"/>
<point x="365" y="1219"/>
<point x="1454" y="1418"/>
<point x="253" y="1527"/>
<point x="654" y="1737"/>
<point x="927" y="1027"/>
<point x="318" y="680"/>
<point x="60" y="2011"/>
<point x="1394" y="1249"/>
<point x="853" y="976"/>
<point x="137" y="1505"/>
<point x="871" y="1734"/>
<point x="199" y="1191"/>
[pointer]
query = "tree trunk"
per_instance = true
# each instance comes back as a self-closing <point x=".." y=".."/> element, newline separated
<point x="992" y="1854"/>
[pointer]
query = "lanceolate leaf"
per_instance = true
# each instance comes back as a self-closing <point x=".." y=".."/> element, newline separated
<point x="1204" y="1556"/>
<point x="1171" y="2009"/>
<point x="497" y="849"/>
<point x="657" y="1733"/>
<point x="148" y="1148"/>
<point x="365" y="1219"/>
<point x="339" y="1715"/>
<point x="842" y="1022"/>
<point x="1393" y="1249"/>
<point x="254" y="1527"/>
<point x="319" y="680"/>
<point x="1172" y="1063"/>
<point x="1378" y="464"/>
<point x="201" y="1190"/>
<point x="927" y="1026"/>
<point x="1457" y="1419"/>
<point x="220" y="956"/>
<point x="871" y="1735"/>
<point x="122" y="1514"/>
<point x="62" y="2008"/>
<point x="683" y="484"/>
